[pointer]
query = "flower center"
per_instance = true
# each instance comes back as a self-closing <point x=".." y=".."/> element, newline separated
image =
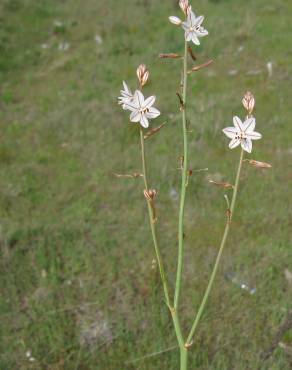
<point x="143" y="110"/>
<point x="240" y="136"/>
<point x="195" y="28"/>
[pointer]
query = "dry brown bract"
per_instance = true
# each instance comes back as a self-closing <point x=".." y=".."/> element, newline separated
<point x="258" y="164"/>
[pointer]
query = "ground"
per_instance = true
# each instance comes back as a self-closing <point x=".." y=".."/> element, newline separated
<point x="79" y="287"/>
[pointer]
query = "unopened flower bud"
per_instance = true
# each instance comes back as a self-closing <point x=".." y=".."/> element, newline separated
<point x="153" y="131"/>
<point x="184" y="5"/>
<point x="175" y="20"/>
<point x="224" y="185"/>
<point x="248" y="102"/>
<point x="258" y="164"/>
<point x="170" y="56"/>
<point x="142" y="74"/>
<point x="197" y="68"/>
<point x="135" y="175"/>
<point x="150" y="194"/>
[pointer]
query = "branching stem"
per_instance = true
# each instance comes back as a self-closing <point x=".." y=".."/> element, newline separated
<point x="173" y="312"/>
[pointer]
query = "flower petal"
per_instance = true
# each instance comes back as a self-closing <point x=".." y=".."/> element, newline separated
<point x="249" y="125"/>
<point x="202" y="32"/>
<point x="246" y="145"/>
<point x="191" y="18"/>
<point x="130" y="104"/>
<point x="149" y="102"/>
<point x="138" y="98"/>
<point x="234" y="143"/>
<point x="230" y="132"/>
<point x="188" y="35"/>
<point x="126" y="89"/>
<point x="135" y="116"/>
<point x="185" y="26"/>
<point x="253" y="135"/>
<point x="152" y="113"/>
<point x="144" y="121"/>
<point x="237" y="123"/>
<point x="199" y="20"/>
<point x="195" y="39"/>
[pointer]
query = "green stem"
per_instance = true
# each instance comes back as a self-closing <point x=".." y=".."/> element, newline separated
<point x="223" y="242"/>
<point x="183" y="358"/>
<point x="152" y="224"/>
<point x="183" y="186"/>
<point x="177" y="328"/>
<point x="180" y="339"/>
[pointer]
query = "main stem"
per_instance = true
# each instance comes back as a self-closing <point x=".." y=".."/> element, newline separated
<point x="183" y="185"/>
<point x="152" y="223"/>
<point x="223" y="242"/>
<point x="173" y="312"/>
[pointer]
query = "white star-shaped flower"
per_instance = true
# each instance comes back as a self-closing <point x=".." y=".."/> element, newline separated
<point x="193" y="27"/>
<point x="142" y="109"/>
<point x="242" y="133"/>
<point x="126" y="96"/>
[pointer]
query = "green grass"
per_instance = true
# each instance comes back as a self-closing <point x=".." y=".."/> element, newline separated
<point x="75" y="241"/>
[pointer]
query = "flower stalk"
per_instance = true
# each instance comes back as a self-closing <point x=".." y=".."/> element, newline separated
<point x="152" y="222"/>
<point x="183" y="184"/>
<point x="221" y="249"/>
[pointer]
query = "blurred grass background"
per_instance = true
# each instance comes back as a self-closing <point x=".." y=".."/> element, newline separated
<point x="79" y="289"/>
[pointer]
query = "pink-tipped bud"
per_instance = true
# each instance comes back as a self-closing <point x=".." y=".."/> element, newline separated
<point x="175" y="20"/>
<point x="248" y="102"/>
<point x="150" y="194"/>
<point x="142" y="74"/>
<point x="184" y="5"/>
